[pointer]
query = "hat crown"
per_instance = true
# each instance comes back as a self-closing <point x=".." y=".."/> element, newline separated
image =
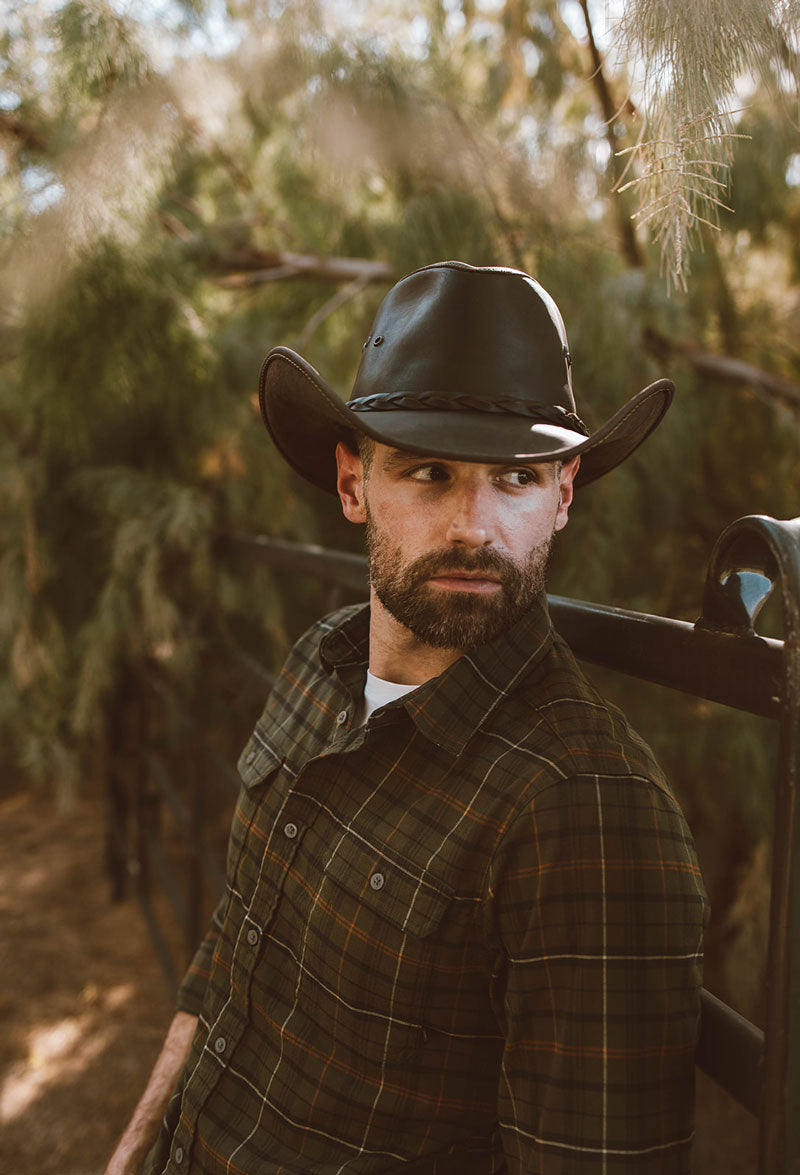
<point x="463" y="332"/>
<point x="463" y="364"/>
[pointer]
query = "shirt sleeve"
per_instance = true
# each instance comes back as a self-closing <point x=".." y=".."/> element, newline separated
<point x="193" y="986"/>
<point x="599" y="908"/>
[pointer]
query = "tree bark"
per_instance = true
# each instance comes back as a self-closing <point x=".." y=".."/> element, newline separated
<point x="724" y="368"/>
<point x="625" y="228"/>
<point x="253" y="267"/>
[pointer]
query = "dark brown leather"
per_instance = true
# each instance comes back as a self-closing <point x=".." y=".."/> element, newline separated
<point x="464" y="363"/>
<point x="476" y="332"/>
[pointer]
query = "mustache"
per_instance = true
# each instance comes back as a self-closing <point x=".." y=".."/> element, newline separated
<point x="484" y="559"/>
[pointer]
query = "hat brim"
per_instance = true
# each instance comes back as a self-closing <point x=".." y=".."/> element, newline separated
<point x="306" y="418"/>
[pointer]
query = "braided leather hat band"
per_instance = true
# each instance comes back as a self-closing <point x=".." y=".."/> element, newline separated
<point x="436" y="401"/>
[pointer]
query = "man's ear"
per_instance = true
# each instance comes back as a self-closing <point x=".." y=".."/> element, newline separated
<point x="350" y="483"/>
<point x="566" y="490"/>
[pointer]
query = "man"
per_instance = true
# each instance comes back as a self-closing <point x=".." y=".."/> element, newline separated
<point x="462" y="931"/>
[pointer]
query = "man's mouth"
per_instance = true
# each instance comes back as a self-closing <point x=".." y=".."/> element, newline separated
<point x="466" y="581"/>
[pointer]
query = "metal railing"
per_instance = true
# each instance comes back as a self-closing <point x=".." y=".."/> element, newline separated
<point x="720" y="658"/>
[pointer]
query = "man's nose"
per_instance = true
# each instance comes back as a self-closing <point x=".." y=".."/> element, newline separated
<point x="471" y="523"/>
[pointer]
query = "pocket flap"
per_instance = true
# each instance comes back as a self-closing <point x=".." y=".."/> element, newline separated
<point x="258" y="760"/>
<point x="393" y="888"/>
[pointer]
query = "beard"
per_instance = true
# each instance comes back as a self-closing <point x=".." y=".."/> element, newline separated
<point x="451" y="619"/>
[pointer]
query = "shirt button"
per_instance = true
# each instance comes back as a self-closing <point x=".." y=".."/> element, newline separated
<point x="250" y="757"/>
<point x="178" y="1156"/>
<point x="253" y="936"/>
<point x="377" y="880"/>
<point x="341" y="718"/>
<point x="219" y="1044"/>
<point x="290" y="830"/>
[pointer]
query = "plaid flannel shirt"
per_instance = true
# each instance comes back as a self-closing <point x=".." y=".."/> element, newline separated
<point x="465" y="938"/>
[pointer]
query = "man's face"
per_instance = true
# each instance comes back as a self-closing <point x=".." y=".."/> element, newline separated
<point x="457" y="550"/>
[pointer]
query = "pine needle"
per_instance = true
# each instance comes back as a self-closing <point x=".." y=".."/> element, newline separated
<point x="691" y="57"/>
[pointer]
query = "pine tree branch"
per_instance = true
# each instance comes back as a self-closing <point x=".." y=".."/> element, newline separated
<point x="256" y="268"/>
<point x="351" y="290"/>
<point x="724" y="368"/>
<point x="175" y="227"/>
<point x="486" y="172"/>
<point x="253" y="267"/>
<point x="22" y="132"/>
<point x="610" y="109"/>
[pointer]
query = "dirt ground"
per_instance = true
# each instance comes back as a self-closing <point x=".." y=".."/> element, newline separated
<point x="84" y="1006"/>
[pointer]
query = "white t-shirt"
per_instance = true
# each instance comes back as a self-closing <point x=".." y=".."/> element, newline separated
<point x="378" y="692"/>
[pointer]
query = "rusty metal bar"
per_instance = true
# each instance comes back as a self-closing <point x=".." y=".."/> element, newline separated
<point x="143" y="804"/>
<point x="116" y="841"/>
<point x="166" y="787"/>
<point x="736" y="670"/>
<point x="733" y="667"/>
<point x="157" y="857"/>
<point x="193" y="927"/>
<point x="337" y="567"/>
<point x="117" y="805"/>
<point x="159" y="943"/>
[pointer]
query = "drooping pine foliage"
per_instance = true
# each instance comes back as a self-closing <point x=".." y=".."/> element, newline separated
<point x="694" y="58"/>
<point x="128" y="458"/>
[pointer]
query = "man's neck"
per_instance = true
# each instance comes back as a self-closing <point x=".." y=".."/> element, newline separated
<point x="395" y="654"/>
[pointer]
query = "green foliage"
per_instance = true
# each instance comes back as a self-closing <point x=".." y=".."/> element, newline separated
<point x="96" y="49"/>
<point x="128" y="463"/>
<point x="760" y="194"/>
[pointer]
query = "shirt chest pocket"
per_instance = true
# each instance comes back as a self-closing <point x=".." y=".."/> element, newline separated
<point x="259" y="765"/>
<point x="370" y="948"/>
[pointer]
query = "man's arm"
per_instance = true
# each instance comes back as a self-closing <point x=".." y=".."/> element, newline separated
<point x="600" y="908"/>
<point x="143" y="1126"/>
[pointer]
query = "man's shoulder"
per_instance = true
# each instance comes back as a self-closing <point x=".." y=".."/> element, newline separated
<point x="558" y="716"/>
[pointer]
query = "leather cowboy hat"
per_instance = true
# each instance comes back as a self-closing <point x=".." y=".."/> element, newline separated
<point x="462" y="363"/>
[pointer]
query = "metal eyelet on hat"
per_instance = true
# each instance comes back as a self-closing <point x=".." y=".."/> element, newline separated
<point x="376" y="342"/>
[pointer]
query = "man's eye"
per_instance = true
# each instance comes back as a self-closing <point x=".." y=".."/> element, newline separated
<point x="428" y="473"/>
<point x="519" y="478"/>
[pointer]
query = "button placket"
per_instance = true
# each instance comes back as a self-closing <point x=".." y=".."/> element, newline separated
<point x="268" y="889"/>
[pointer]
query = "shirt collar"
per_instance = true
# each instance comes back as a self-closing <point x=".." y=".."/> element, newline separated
<point x="449" y="709"/>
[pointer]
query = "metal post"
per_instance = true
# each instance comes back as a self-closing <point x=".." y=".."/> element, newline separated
<point x="194" y="873"/>
<point x="748" y="558"/>
<point x="116" y="802"/>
